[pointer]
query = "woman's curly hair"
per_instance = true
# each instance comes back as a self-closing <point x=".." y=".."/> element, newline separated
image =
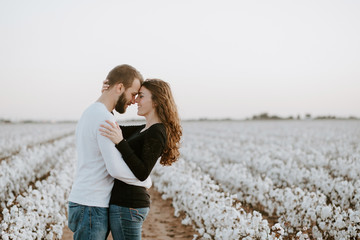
<point x="166" y="110"/>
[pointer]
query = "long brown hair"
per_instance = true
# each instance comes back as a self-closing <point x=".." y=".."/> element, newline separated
<point x="166" y="110"/>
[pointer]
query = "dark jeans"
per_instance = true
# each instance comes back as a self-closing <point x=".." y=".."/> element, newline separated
<point x="126" y="223"/>
<point x="88" y="223"/>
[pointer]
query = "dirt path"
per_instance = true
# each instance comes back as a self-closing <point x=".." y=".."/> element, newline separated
<point x="160" y="224"/>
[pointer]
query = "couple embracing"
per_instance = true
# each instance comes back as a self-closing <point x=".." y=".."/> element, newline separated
<point x="114" y="162"/>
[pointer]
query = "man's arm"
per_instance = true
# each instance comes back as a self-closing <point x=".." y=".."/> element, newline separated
<point x="153" y="147"/>
<point x="115" y="165"/>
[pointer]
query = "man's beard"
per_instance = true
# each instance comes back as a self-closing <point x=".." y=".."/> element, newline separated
<point x="121" y="104"/>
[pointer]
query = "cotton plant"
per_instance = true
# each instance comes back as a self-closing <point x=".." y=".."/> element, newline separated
<point x="29" y="164"/>
<point x="304" y="172"/>
<point x="40" y="211"/>
<point x="286" y="166"/>
<point x="295" y="205"/>
<point x="17" y="137"/>
<point x="286" y="175"/>
<point x="215" y="213"/>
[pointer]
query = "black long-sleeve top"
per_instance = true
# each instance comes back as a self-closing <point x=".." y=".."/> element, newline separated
<point x="140" y="150"/>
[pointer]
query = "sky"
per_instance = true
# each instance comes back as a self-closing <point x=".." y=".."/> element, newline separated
<point x="222" y="59"/>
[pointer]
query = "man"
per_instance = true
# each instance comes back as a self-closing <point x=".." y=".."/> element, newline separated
<point x="98" y="161"/>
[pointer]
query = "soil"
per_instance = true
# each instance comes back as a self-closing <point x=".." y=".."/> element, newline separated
<point x="160" y="224"/>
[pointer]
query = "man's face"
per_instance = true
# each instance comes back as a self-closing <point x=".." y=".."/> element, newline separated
<point x="128" y="97"/>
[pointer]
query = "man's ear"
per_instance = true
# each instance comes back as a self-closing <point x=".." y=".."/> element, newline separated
<point x="120" y="88"/>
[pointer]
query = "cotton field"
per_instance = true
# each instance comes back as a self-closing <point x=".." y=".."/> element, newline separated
<point x="234" y="179"/>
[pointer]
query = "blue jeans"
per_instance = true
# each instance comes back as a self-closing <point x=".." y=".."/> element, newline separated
<point x="88" y="223"/>
<point x="126" y="223"/>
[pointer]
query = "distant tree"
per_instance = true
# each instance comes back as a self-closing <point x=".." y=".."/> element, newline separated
<point x="274" y="117"/>
<point x="264" y="116"/>
<point x="326" y="117"/>
<point x="5" y="121"/>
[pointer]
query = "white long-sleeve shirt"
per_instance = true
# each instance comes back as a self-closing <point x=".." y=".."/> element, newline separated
<point x="98" y="161"/>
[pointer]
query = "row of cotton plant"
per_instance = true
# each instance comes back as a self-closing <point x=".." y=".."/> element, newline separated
<point x="340" y="190"/>
<point x="332" y="146"/>
<point x="307" y="166"/>
<point x="315" y="155"/>
<point x="40" y="212"/>
<point x="321" y="156"/>
<point x="30" y="164"/>
<point x="14" y="137"/>
<point x="299" y="208"/>
<point x="215" y="213"/>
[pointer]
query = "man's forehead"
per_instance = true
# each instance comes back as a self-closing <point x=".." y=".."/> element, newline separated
<point x="135" y="87"/>
<point x="136" y="83"/>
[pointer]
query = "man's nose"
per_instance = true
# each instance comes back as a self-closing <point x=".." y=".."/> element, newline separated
<point x="133" y="100"/>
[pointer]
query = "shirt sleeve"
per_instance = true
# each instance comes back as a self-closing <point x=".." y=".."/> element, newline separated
<point x="115" y="164"/>
<point x="153" y="147"/>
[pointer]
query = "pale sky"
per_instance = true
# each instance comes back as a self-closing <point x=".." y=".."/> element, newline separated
<point x="222" y="58"/>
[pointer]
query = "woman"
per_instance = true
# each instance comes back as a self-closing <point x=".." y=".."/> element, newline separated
<point x="140" y="147"/>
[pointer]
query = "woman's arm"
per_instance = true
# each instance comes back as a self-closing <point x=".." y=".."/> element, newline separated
<point x="152" y="149"/>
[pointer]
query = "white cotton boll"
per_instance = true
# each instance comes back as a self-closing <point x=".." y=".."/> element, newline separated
<point x="4" y="226"/>
<point x="251" y="232"/>
<point x="20" y="222"/>
<point x="10" y="201"/>
<point x="302" y="236"/>
<point x="201" y="231"/>
<point x="49" y="236"/>
<point x="354" y="216"/>
<point x="14" y="210"/>
<point x="39" y="235"/>
<point x="6" y="215"/>
<point x="326" y="212"/>
<point x="354" y="231"/>
<point x="278" y="229"/>
<point x="5" y="236"/>
<point x="316" y="233"/>
<point x="248" y="238"/>
<point x="236" y="232"/>
<point x="339" y="223"/>
<point x="56" y="230"/>
<point x="206" y="236"/>
<point x="186" y="221"/>
<point x="312" y="214"/>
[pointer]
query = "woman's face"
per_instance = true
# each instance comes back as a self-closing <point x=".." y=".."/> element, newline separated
<point x="144" y="102"/>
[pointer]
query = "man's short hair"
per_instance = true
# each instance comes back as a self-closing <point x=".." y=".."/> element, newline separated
<point x="124" y="74"/>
